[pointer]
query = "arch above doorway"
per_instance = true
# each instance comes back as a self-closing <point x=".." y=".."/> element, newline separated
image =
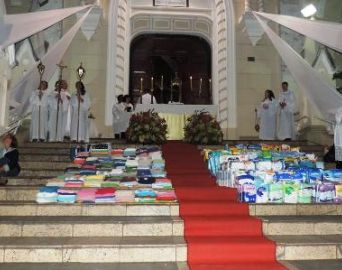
<point x="219" y="30"/>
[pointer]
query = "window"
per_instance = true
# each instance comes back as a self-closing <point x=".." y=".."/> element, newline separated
<point x="171" y="3"/>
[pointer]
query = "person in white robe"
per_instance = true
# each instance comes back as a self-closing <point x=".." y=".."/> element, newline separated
<point x="58" y="112"/>
<point x="39" y="113"/>
<point x="287" y="108"/>
<point x="267" y="116"/>
<point x="80" y="106"/>
<point x="66" y="109"/>
<point x="119" y="123"/>
<point x="128" y="104"/>
<point x="338" y="138"/>
<point x="148" y="98"/>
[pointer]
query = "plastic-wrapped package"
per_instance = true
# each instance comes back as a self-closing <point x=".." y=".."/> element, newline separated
<point x="305" y="193"/>
<point x="275" y="193"/>
<point x="262" y="190"/>
<point x="290" y="192"/>
<point x="325" y="192"/>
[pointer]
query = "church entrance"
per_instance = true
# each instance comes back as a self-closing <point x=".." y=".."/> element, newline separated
<point x="175" y="67"/>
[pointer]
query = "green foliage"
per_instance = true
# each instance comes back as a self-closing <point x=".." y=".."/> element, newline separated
<point x="147" y="128"/>
<point x="202" y="128"/>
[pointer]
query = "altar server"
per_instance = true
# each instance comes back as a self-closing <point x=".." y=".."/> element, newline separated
<point x="128" y="104"/>
<point x="267" y="116"/>
<point x="119" y="123"/>
<point x="287" y="108"/>
<point x="58" y="111"/>
<point x="39" y="113"/>
<point x="148" y="98"/>
<point x="80" y="105"/>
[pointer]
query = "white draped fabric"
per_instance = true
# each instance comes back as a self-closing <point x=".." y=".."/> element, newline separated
<point x="16" y="27"/>
<point x="22" y="91"/>
<point x="327" y="33"/>
<point x="326" y="99"/>
<point x="338" y="135"/>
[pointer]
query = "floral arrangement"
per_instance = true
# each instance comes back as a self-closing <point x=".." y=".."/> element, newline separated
<point x="147" y="128"/>
<point x="202" y="128"/>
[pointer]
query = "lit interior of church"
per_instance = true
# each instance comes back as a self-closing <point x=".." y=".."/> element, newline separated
<point x="170" y="134"/>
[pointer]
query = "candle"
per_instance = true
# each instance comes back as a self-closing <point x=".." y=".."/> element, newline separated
<point x="191" y="83"/>
<point x="141" y="85"/>
<point x="152" y="83"/>
<point x="162" y="83"/>
<point x="200" y="87"/>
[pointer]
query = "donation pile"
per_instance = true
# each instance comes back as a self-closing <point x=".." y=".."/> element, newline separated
<point x="274" y="174"/>
<point x="100" y="174"/>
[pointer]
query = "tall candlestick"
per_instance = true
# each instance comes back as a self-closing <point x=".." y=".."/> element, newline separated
<point x="152" y="83"/>
<point x="162" y="83"/>
<point x="210" y="90"/>
<point x="141" y="85"/>
<point x="200" y="87"/>
<point x="191" y="83"/>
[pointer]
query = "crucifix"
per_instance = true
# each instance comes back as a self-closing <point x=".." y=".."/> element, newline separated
<point x="41" y="70"/>
<point x="59" y="87"/>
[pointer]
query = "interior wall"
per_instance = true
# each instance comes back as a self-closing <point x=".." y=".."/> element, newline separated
<point x="253" y="78"/>
<point x="93" y="55"/>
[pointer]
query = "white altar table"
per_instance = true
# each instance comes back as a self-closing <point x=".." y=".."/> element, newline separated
<point x="176" y="115"/>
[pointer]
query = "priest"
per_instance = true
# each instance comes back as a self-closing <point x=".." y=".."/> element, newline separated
<point x="39" y="113"/>
<point x="287" y="108"/>
<point x="148" y="98"/>
<point x="80" y="106"/>
<point x="58" y="111"/>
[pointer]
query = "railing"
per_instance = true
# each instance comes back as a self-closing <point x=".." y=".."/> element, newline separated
<point x="14" y="124"/>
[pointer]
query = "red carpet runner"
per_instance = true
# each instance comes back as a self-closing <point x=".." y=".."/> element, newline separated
<point x="219" y="231"/>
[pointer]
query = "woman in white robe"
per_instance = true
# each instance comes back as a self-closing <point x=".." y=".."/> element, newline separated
<point x="287" y="108"/>
<point x="80" y="106"/>
<point x="58" y="111"/>
<point x="39" y="101"/>
<point x="267" y="116"/>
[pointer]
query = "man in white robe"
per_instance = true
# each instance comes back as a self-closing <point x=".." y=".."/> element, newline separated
<point x="39" y="113"/>
<point x="80" y="106"/>
<point x="58" y="111"/>
<point x="267" y="116"/>
<point x="287" y="108"/>
<point x="148" y="98"/>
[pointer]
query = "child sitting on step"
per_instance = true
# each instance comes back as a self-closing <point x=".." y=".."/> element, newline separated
<point x="9" y="160"/>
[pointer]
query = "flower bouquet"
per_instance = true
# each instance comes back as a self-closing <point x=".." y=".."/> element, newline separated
<point x="202" y="128"/>
<point x="147" y="128"/>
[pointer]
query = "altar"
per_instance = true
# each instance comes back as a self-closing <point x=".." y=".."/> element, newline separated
<point x="176" y="115"/>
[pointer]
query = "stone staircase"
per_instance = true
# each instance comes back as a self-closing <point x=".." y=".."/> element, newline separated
<point x="135" y="236"/>
<point x="307" y="236"/>
<point x="81" y="236"/>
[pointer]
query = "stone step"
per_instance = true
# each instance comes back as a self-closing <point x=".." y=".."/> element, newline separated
<point x="295" y="209"/>
<point x="17" y="208"/>
<point x="92" y="250"/>
<point x="313" y="265"/>
<point x="28" y="193"/>
<point x="44" y="165"/>
<point x="27" y="181"/>
<point x="90" y="226"/>
<point x="308" y="247"/>
<point x="42" y="157"/>
<point x="46" y="151"/>
<point x="302" y="225"/>
<point x="41" y="172"/>
<point x="97" y="266"/>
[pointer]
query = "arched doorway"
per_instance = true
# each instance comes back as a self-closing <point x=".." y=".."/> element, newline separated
<point x="165" y="58"/>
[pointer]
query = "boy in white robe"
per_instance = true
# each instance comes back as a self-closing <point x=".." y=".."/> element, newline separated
<point x="39" y="113"/>
<point x="118" y="112"/>
<point x="58" y="111"/>
<point x="267" y="116"/>
<point x="80" y="106"/>
<point x="287" y="108"/>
